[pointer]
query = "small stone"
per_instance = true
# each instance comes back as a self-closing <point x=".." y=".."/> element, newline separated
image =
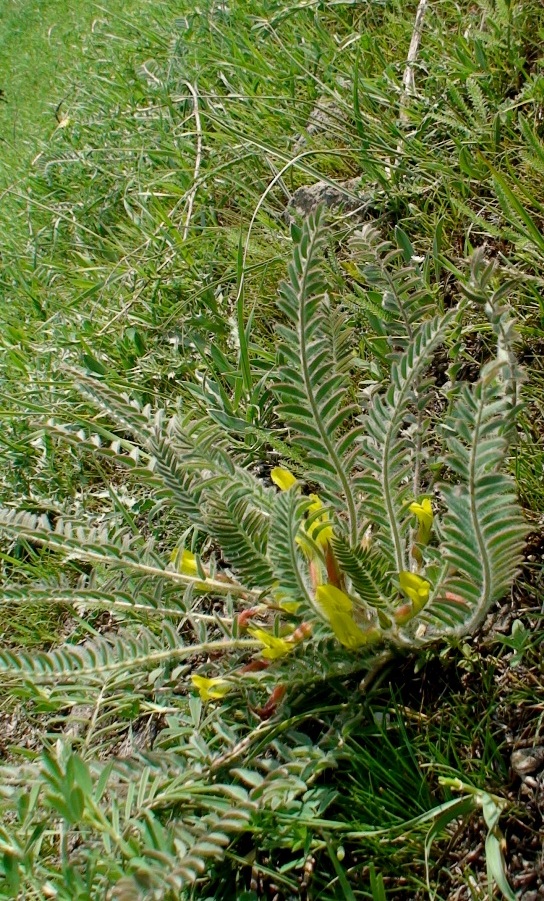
<point x="308" y="197"/>
<point x="527" y="760"/>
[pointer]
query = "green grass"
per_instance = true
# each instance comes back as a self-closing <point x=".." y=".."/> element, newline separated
<point x="43" y="48"/>
<point x="144" y="240"/>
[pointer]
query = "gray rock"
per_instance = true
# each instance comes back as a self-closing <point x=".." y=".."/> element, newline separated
<point x="307" y="198"/>
<point x="525" y="761"/>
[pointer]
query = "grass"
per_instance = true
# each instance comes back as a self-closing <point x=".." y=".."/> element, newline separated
<point x="43" y="48"/>
<point x="144" y="241"/>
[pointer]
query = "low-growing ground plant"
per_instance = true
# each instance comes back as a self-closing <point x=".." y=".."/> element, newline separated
<point x="389" y="527"/>
<point x="192" y="733"/>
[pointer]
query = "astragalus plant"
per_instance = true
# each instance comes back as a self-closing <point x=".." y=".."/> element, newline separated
<point x="395" y="528"/>
<point x="400" y="527"/>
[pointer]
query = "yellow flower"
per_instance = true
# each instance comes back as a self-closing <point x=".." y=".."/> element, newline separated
<point x="274" y="647"/>
<point x="283" y="600"/>
<point x="338" y="608"/>
<point x="320" y="532"/>
<point x="424" y="513"/>
<point x="188" y="565"/>
<point x="415" y="588"/>
<point x="289" y="606"/>
<point x="283" y="478"/>
<point x="210" y="689"/>
<point x="333" y="601"/>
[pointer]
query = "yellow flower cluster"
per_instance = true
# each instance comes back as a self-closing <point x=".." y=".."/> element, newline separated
<point x="336" y="605"/>
<point x="320" y="529"/>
